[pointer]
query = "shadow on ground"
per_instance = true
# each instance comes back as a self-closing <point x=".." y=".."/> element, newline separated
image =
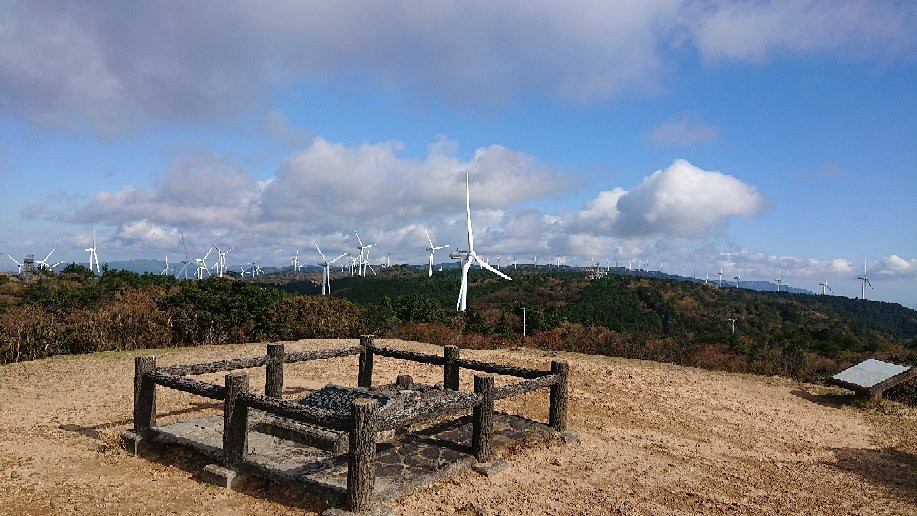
<point x="886" y="467"/>
<point x="826" y="400"/>
<point x="193" y="464"/>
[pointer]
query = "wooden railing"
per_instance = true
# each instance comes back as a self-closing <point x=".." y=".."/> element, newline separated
<point x="365" y="418"/>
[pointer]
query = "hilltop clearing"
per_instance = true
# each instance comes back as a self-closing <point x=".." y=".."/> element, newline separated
<point x="656" y="438"/>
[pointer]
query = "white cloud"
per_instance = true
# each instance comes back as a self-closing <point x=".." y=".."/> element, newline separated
<point x="109" y="65"/>
<point x="895" y="267"/>
<point x="683" y="133"/>
<point x="748" y="30"/>
<point x="679" y="201"/>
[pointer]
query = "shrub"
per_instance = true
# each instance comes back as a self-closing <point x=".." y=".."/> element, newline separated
<point x="314" y="317"/>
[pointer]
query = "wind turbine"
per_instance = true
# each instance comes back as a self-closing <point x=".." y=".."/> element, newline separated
<point x="824" y="286"/>
<point x="737" y="278"/>
<point x="167" y="270"/>
<point x="202" y="264"/>
<point x="326" y="270"/>
<point x="187" y="261"/>
<point x="865" y="279"/>
<point x="720" y="274"/>
<point x="296" y="263"/>
<point x="432" y="249"/>
<point x="17" y="263"/>
<point x="779" y="279"/>
<point x="43" y="264"/>
<point x="364" y="256"/>
<point x="469" y="256"/>
<point x="733" y="321"/>
<point x="221" y="260"/>
<point x="93" y="256"/>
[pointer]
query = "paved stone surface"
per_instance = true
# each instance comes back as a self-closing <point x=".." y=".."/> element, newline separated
<point x="402" y="464"/>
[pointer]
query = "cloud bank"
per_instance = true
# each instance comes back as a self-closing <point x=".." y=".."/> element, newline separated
<point x="110" y="65"/>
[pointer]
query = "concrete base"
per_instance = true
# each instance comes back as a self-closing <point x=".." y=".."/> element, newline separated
<point x="569" y="436"/>
<point x="489" y="469"/>
<point x="134" y="443"/>
<point x="219" y="476"/>
<point x="377" y="510"/>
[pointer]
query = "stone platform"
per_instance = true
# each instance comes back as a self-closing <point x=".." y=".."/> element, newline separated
<point x="402" y="463"/>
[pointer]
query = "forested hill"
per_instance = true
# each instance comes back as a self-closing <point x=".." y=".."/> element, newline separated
<point x="635" y="304"/>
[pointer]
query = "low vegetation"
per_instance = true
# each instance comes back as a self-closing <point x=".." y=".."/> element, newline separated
<point x="799" y="336"/>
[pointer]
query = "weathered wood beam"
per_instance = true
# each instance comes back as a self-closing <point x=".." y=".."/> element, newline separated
<point x="361" y="475"/>
<point x="557" y="417"/>
<point x="235" y="420"/>
<point x="365" y="374"/>
<point x="273" y="377"/>
<point x="524" y="386"/>
<point x="181" y="383"/>
<point x="144" y="393"/>
<point x="487" y="367"/>
<point x="483" y="418"/>
<point x="450" y="368"/>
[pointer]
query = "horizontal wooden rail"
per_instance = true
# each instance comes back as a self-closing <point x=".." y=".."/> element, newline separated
<point x="297" y="412"/>
<point x="524" y="386"/>
<point x="433" y="408"/>
<point x="487" y="367"/>
<point x="303" y="356"/>
<point x="408" y="355"/>
<point x="181" y="383"/>
<point x="215" y="367"/>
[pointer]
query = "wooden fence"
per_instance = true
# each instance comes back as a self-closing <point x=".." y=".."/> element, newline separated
<point x="365" y="418"/>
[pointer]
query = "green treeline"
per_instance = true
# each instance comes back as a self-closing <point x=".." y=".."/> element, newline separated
<point x="683" y="322"/>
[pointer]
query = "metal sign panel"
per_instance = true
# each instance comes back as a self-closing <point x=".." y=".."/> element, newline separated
<point x="870" y="372"/>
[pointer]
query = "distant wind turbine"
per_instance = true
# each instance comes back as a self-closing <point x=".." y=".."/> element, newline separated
<point x="167" y="271"/>
<point x="737" y="278"/>
<point x="93" y="256"/>
<point x="432" y="249"/>
<point x="469" y="256"/>
<point x="865" y="279"/>
<point x="824" y="286"/>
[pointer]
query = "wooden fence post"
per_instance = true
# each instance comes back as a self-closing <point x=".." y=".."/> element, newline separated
<point x="273" y="380"/>
<point x="558" y="412"/>
<point x="450" y="368"/>
<point x="361" y="474"/>
<point x="235" y="420"/>
<point x="144" y="394"/>
<point x="365" y="376"/>
<point x="483" y="418"/>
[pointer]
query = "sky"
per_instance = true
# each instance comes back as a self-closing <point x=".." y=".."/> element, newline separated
<point x="760" y="138"/>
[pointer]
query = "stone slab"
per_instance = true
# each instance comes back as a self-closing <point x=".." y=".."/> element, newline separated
<point x="219" y="476"/>
<point x="869" y="373"/>
<point x="403" y="464"/>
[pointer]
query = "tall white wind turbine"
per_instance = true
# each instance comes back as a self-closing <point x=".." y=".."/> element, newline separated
<point x="187" y="261"/>
<point x="295" y="261"/>
<point x="364" y="256"/>
<point x="17" y="263"/>
<point x="221" y="260"/>
<point x="738" y="279"/>
<point x="326" y="270"/>
<point x="43" y="264"/>
<point x="824" y="286"/>
<point x="779" y="279"/>
<point x="469" y="256"/>
<point x="432" y="249"/>
<point x="202" y="264"/>
<point x="865" y="279"/>
<point x="93" y="256"/>
<point x="167" y="270"/>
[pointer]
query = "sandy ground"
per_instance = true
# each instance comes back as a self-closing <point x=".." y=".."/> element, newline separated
<point x="655" y="439"/>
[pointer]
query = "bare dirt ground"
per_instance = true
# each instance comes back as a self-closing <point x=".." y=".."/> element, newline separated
<point x="656" y="439"/>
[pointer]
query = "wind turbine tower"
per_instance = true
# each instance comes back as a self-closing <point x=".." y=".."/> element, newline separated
<point x="469" y="256"/>
<point x="738" y="279"/>
<point x="824" y="286"/>
<point x="779" y="279"/>
<point x="733" y="321"/>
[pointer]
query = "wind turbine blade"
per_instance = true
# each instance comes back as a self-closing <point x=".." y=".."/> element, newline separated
<point x="868" y="283"/>
<point x="487" y="266"/>
<point x="320" y="252"/>
<point x="358" y="238"/>
<point x="428" y="237"/>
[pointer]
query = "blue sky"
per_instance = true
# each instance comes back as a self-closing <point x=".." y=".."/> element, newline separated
<point x="755" y="137"/>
